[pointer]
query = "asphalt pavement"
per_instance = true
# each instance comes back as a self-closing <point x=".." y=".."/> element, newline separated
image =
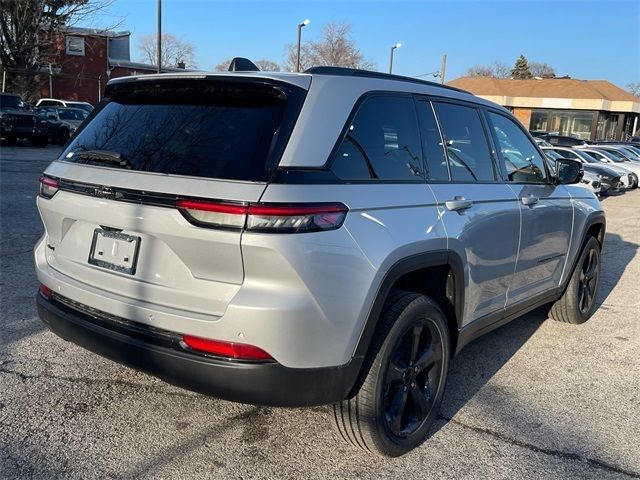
<point x="533" y="399"/>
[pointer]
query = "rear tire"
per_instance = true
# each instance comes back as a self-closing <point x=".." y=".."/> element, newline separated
<point x="406" y="371"/>
<point x="578" y="302"/>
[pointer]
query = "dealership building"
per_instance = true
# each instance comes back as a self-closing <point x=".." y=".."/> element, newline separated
<point x="586" y="109"/>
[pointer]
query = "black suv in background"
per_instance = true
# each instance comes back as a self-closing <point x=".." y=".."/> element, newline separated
<point x="18" y="121"/>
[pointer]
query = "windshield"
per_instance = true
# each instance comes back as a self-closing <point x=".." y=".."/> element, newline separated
<point x="615" y="156"/>
<point x="65" y="114"/>
<point x="219" y="129"/>
<point x="586" y="156"/>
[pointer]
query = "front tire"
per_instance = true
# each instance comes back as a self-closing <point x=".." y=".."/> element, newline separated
<point x="407" y="369"/>
<point x="578" y="302"/>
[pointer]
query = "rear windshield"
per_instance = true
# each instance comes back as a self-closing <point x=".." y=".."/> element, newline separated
<point x="218" y="129"/>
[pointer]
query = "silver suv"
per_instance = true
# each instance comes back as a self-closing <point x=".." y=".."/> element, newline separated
<point x="331" y="237"/>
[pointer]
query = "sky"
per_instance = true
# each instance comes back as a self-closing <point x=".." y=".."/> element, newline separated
<point x="583" y="39"/>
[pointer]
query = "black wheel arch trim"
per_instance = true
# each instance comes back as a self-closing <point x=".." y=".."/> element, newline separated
<point x="402" y="267"/>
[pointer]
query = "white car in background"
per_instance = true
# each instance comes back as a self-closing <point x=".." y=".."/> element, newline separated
<point x="617" y="162"/>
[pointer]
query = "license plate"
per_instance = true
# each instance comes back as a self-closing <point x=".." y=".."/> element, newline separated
<point x="114" y="250"/>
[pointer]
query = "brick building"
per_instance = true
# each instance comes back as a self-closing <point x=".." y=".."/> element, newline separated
<point x="85" y="59"/>
<point x="586" y="109"/>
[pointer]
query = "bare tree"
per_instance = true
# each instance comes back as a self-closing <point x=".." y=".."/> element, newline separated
<point x="263" y="65"/>
<point x="634" y="88"/>
<point x="335" y="47"/>
<point x="174" y="50"/>
<point x="28" y="32"/>
<point x="500" y="70"/>
<point x="541" y="69"/>
<point x="267" y="65"/>
<point x="496" y="70"/>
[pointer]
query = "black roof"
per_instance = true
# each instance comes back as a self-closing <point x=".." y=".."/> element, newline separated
<point x="354" y="72"/>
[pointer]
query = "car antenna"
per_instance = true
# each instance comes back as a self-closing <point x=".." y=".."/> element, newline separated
<point x="241" y="64"/>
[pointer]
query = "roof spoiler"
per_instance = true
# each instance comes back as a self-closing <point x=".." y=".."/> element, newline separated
<point x="241" y="64"/>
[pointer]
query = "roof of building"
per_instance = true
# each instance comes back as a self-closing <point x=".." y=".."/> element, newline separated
<point x="96" y="32"/>
<point x="551" y="92"/>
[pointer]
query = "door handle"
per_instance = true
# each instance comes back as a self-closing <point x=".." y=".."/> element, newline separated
<point x="458" y="203"/>
<point x="529" y="200"/>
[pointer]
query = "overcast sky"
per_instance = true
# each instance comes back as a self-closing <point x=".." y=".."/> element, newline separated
<point x="584" y="39"/>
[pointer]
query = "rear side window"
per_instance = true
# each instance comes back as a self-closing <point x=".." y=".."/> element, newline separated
<point x="466" y="143"/>
<point x="218" y="129"/>
<point x="435" y="160"/>
<point x="567" y="154"/>
<point x="520" y="159"/>
<point x="382" y="142"/>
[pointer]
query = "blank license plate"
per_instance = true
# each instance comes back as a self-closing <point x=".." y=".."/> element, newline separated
<point x="114" y="250"/>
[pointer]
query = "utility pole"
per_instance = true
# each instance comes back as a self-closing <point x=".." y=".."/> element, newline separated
<point x="443" y="67"/>
<point x="159" y="47"/>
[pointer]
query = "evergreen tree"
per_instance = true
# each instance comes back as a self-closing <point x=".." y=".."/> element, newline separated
<point x="521" y="69"/>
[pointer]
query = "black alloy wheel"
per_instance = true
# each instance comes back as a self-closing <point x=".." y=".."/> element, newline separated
<point x="412" y="378"/>
<point x="589" y="277"/>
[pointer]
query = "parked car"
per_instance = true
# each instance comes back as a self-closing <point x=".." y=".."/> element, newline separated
<point x="613" y="180"/>
<point x="54" y="102"/>
<point x="541" y="142"/>
<point x="61" y="122"/>
<point x="613" y="158"/>
<point x="17" y="121"/>
<point x="627" y="152"/>
<point x="559" y="140"/>
<point x="589" y="179"/>
<point x="248" y="236"/>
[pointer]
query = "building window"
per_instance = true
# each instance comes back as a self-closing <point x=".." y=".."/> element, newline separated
<point x="75" y="46"/>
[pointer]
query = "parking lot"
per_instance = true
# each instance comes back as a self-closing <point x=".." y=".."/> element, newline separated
<point x="532" y="399"/>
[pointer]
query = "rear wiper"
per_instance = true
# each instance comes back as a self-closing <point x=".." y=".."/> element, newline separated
<point x="104" y="156"/>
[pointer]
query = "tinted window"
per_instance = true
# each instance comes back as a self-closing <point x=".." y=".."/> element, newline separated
<point x="220" y="129"/>
<point x="568" y="154"/>
<point x="382" y="142"/>
<point x="521" y="161"/>
<point x="436" y="162"/>
<point x="11" y="101"/>
<point x="467" y="148"/>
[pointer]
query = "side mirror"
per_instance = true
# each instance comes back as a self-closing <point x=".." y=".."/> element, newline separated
<point x="568" y="171"/>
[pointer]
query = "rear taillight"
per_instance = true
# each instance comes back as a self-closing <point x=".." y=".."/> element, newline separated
<point x="45" y="292"/>
<point x="48" y="186"/>
<point x="231" y="350"/>
<point x="269" y="218"/>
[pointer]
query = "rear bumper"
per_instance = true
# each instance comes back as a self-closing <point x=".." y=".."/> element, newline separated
<point x="269" y="384"/>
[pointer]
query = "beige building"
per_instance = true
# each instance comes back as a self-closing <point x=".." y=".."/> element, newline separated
<point x="587" y="109"/>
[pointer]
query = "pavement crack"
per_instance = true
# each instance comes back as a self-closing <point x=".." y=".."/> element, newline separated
<point x="595" y="463"/>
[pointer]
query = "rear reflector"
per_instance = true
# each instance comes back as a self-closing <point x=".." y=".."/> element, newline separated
<point x="48" y="186"/>
<point x="45" y="292"/>
<point x="236" y="351"/>
<point x="268" y="218"/>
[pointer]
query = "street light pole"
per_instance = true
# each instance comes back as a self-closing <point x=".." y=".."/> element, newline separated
<point x="159" y="46"/>
<point x="300" y="26"/>
<point x="397" y="45"/>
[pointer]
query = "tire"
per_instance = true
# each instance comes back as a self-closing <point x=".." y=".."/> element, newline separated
<point x="64" y="136"/>
<point x="394" y="382"/>
<point x="578" y="302"/>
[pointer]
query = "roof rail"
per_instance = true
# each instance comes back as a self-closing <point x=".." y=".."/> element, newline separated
<point x="354" y="72"/>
